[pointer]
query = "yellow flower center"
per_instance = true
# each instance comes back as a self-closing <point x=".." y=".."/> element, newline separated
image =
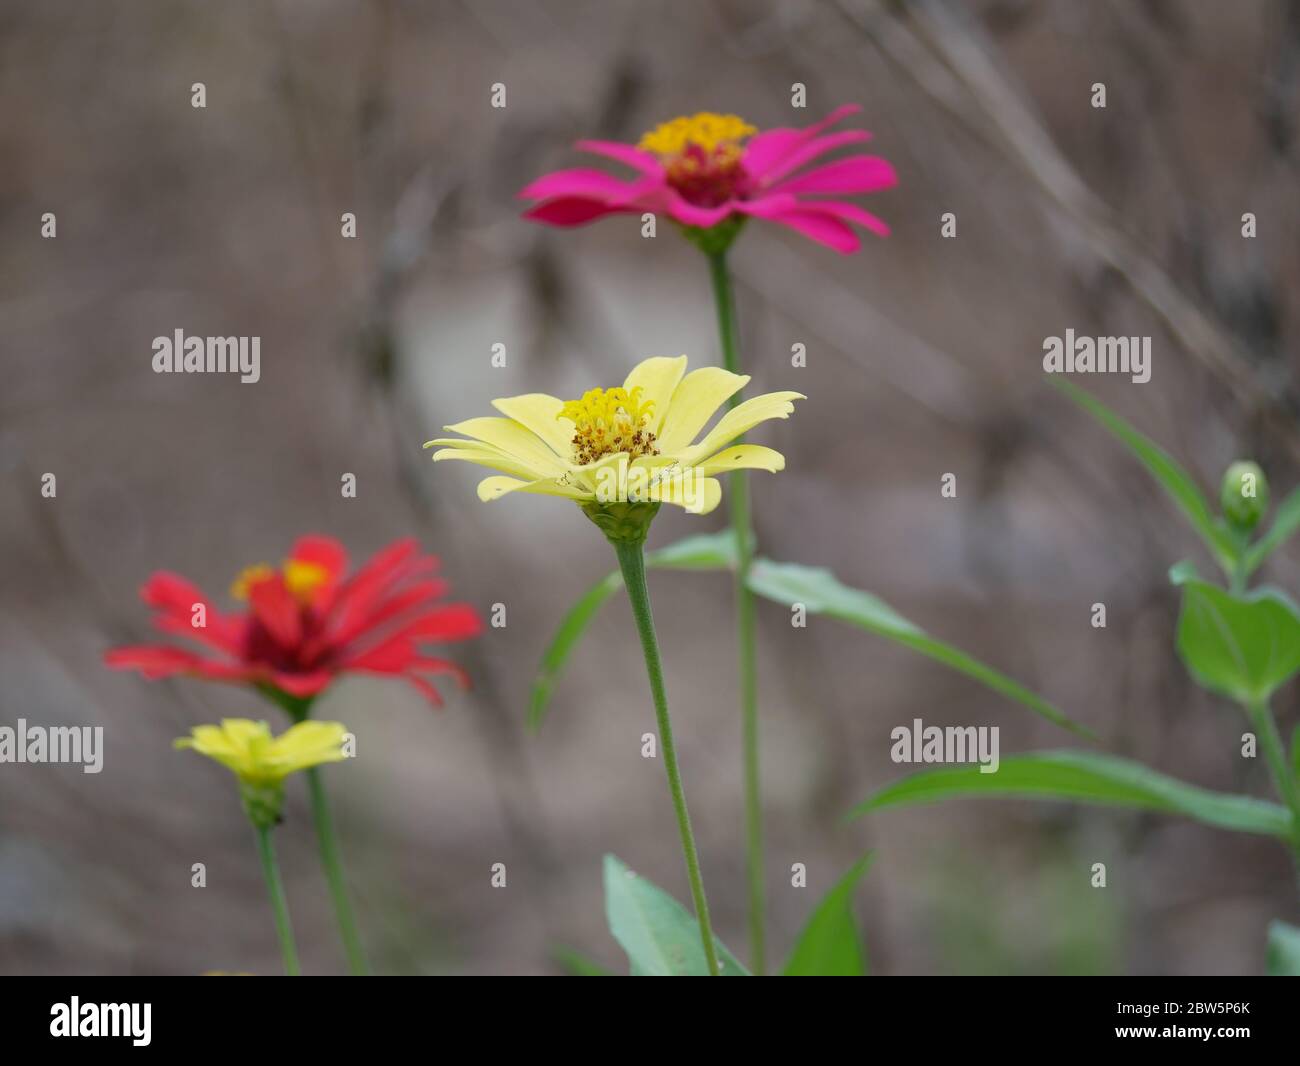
<point x="703" y="158"/>
<point x="301" y="578"/>
<point x="608" y="421"/>
<point x="706" y="129"/>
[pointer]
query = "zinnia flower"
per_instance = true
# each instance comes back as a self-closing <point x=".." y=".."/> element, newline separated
<point x="309" y="621"/>
<point x="713" y="169"/>
<point x="257" y="758"/>
<point x="624" y="445"/>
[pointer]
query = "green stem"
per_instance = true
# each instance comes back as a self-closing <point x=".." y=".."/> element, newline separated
<point x="1284" y="781"/>
<point x="299" y="709"/>
<point x="328" y="842"/>
<point x="279" y="904"/>
<point x="742" y="525"/>
<point x="631" y="561"/>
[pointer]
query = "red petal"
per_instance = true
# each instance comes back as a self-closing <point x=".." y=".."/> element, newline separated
<point x="156" y="661"/>
<point x="325" y="552"/>
<point x="391" y="608"/>
<point x="174" y="597"/>
<point x="302" y="684"/>
<point x="277" y="610"/>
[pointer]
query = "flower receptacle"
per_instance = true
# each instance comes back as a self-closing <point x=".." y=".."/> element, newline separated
<point x="622" y="522"/>
<point x="714" y="240"/>
<point x="262" y="802"/>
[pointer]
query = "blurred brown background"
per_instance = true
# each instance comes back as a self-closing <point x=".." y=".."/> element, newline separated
<point x="924" y="357"/>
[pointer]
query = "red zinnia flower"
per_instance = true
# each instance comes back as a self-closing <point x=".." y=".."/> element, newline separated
<point x="309" y="622"/>
<point x="708" y="169"/>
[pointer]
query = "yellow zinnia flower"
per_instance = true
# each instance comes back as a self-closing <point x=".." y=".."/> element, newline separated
<point x="255" y="756"/>
<point x="629" y="445"/>
<point x="261" y="761"/>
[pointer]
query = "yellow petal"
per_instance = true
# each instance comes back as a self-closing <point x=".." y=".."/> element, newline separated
<point x="605" y="479"/>
<point x="540" y="413"/>
<point x="657" y="377"/>
<point x="514" y="440"/>
<point x="489" y="457"/>
<point x="743" y="457"/>
<point x="689" y="490"/>
<point x="740" y="419"/>
<point x="694" y="401"/>
<point x="494" y="488"/>
<point x="304" y="745"/>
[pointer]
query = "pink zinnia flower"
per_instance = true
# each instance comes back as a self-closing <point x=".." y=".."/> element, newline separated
<point x="309" y="621"/>
<point x="711" y="169"/>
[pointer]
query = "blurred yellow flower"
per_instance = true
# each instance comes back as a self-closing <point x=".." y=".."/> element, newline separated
<point x="624" y="445"/>
<point x="259" y="759"/>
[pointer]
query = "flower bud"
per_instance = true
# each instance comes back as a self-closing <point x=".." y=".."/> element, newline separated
<point x="1244" y="495"/>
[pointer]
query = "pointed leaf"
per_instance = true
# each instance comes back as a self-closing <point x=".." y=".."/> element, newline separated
<point x="661" y="938"/>
<point x="829" y="945"/>
<point x="1176" y="481"/>
<point x="1090" y="778"/>
<point x="705" y="551"/>
<point x="822" y="593"/>
<point x="1242" y="647"/>
<point x="1285" y="523"/>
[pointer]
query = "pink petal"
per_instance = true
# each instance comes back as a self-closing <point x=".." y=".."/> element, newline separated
<point x="768" y="148"/>
<point x="582" y="183"/>
<point x="627" y="154"/>
<point x="805" y="153"/>
<point x="572" y="211"/>
<point x="857" y="174"/>
<point x="849" y="212"/>
<point x="685" y="212"/>
<point x="819" y="226"/>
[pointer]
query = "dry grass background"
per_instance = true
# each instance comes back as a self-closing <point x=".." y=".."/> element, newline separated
<point x="923" y="358"/>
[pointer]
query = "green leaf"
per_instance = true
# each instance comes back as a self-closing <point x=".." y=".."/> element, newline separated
<point x="1176" y="481"/>
<point x="1283" y="950"/>
<point x="576" y="964"/>
<point x="1285" y="523"/>
<point x="661" y="938"/>
<point x="1091" y="778"/>
<point x="829" y="945"/>
<point x="706" y="551"/>
<point x="703" y="551"/>
<point x="1242" y="647"/>
<point x="822" y="593"/>
<point x="1182" y="572"/>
